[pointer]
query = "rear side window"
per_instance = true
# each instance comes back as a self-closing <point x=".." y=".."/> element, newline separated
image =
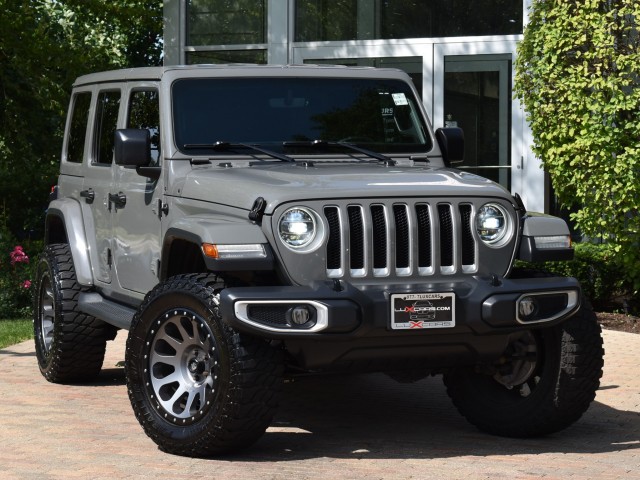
<point x="106" y="122"/>
<point x="144" y="112"/>
<point x="78" y="127"/>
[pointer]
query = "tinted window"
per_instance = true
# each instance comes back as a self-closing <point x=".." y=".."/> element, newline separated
<point x="258" y="56"/>
<point x="382" y="114"/>
<point x="321" y="20"/>
<point x="106" y="121"/>
<point x="222" y="22"/>
<point x="144" y="112"/>
<point x="78" y="127"/>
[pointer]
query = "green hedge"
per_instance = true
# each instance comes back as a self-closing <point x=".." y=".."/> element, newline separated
<point x="603" y="276"/>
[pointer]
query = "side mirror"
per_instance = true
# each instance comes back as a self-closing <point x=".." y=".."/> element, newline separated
<point x="451" y="142"/>
<point x="132" y="147"/>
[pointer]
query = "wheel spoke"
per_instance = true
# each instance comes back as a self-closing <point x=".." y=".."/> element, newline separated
<point x="47" y="314"/>
<point x="180" y="364"/>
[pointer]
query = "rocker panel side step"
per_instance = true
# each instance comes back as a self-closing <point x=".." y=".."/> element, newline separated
<point x="110" y="312"/>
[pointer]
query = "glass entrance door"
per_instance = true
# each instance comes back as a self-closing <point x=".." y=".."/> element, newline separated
<point x="477" y="98"/>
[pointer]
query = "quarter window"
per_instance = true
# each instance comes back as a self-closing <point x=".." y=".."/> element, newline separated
<point x="78" y="127"/>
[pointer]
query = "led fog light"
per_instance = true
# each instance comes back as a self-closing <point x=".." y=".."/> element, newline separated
<point x="300" y="315"/>
<point x="527" y="308"/>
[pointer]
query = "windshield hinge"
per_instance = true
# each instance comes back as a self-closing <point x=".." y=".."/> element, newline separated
<point x="257" y="211"/>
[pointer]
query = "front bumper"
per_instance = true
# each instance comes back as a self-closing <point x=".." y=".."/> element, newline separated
<point x="483" y="306"/>
<point x="350" y="328"/>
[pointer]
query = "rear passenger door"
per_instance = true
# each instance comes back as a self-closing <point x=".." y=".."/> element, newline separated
<point x="98" y="178"/>
<point x="137" y="222"/>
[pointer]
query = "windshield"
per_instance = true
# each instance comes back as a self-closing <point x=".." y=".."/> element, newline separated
<point x="381" y="115"/>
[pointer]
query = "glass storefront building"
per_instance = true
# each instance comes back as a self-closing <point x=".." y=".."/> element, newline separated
<point x="459" y="53"/>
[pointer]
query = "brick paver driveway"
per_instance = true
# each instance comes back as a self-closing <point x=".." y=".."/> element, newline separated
<point x="330" y="427"/>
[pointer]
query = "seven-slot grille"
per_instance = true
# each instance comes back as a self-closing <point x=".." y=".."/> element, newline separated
<point x="400" y="239"/>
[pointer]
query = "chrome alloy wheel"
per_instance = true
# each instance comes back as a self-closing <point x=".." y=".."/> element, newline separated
<point x="182" y="367"/>
<point x="46" y="313"/>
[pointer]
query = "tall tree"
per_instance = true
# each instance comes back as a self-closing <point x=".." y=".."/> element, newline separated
<point x="578" y="76"/>
<point x="44" y="46"/>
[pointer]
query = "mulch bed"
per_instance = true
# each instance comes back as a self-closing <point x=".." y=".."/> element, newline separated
<point x="619" y="321"/>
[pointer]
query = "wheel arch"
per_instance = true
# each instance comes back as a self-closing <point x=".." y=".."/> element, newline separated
<point x="64" y="224"/>
<point x="182" y="250"/>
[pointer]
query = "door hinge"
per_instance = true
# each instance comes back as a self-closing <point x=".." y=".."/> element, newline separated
<point x="163" y="208"/>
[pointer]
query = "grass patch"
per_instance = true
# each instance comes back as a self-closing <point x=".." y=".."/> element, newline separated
<point x="15" y="331"/>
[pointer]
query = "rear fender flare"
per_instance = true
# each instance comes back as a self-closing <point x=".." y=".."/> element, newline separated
<point x="69" y="212"/>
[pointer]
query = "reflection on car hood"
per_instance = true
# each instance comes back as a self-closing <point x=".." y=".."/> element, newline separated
<point x="281" y="183"/>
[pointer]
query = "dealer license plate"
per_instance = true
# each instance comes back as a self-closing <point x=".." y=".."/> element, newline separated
<point x="416" y="311"/>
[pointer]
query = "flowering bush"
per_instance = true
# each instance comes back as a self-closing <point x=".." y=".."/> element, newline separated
<point x="16" y="275"/>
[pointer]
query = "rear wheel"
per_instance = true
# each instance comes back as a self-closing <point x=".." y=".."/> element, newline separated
<point x="70" y="345"/>
<point x="547" y="380"/>
<point x="197" y="386"/>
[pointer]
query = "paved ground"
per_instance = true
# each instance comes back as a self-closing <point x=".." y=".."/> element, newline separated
<point x="364" y="427"/>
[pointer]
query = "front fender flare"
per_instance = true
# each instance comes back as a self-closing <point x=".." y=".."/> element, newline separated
<point x="219" y="230"/>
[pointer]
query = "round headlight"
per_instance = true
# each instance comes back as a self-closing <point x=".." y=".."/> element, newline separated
<point x="297" y="227"/>
<point x="492" y="224"/>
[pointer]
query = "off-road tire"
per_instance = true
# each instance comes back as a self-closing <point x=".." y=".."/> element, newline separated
<point x="198" y="387"/>
<point x="561" y="388"/>
<point x="70" y="345"/>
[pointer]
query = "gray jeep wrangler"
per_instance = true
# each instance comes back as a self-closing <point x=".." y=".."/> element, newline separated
<point x="245" y="223"/>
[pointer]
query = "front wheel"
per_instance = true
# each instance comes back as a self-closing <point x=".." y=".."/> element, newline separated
<point x="197" y="386"/>
<point x="547" y="380"/>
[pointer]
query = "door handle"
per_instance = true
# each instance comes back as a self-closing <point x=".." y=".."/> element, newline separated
<point x="88" y="195"/>
<point x="118" y="199"/>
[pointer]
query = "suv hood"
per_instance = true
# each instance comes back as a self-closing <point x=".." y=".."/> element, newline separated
<point x="281" y="183"/>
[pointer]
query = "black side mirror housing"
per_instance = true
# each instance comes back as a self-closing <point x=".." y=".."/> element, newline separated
<point x="451" y="142"/>
<point x="133" y="147"/>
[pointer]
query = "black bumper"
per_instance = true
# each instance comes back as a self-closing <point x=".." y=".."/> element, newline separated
<point x="482" y="306"/>
<point x="348" y="323"/>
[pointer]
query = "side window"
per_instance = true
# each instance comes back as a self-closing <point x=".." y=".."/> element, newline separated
<point x="106" y="122"/>
<point x="144" y="112"/>
<point x="78" y="128"/>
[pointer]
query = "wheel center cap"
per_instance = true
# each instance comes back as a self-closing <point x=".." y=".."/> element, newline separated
<point x="196" y="367"/>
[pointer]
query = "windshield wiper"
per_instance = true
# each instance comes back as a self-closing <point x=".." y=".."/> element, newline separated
<point x="224" y="146"/>
<point x="351" y="146"/>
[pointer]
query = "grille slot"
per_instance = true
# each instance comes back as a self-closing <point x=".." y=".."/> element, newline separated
<point x="446" y="235"/>
<point x="400" y="238"/>
<point x="468" y="245"/>
<point x="424" y="236"/>
<point x="403" y="237"/>
<point x="379" y="227"/>
<point x="334" y="247"/>
<point x="356" y="237"/>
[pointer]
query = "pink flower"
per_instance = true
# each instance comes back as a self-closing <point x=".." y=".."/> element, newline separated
<point x="26" y="284"/>
<point x="18" y="255"/>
